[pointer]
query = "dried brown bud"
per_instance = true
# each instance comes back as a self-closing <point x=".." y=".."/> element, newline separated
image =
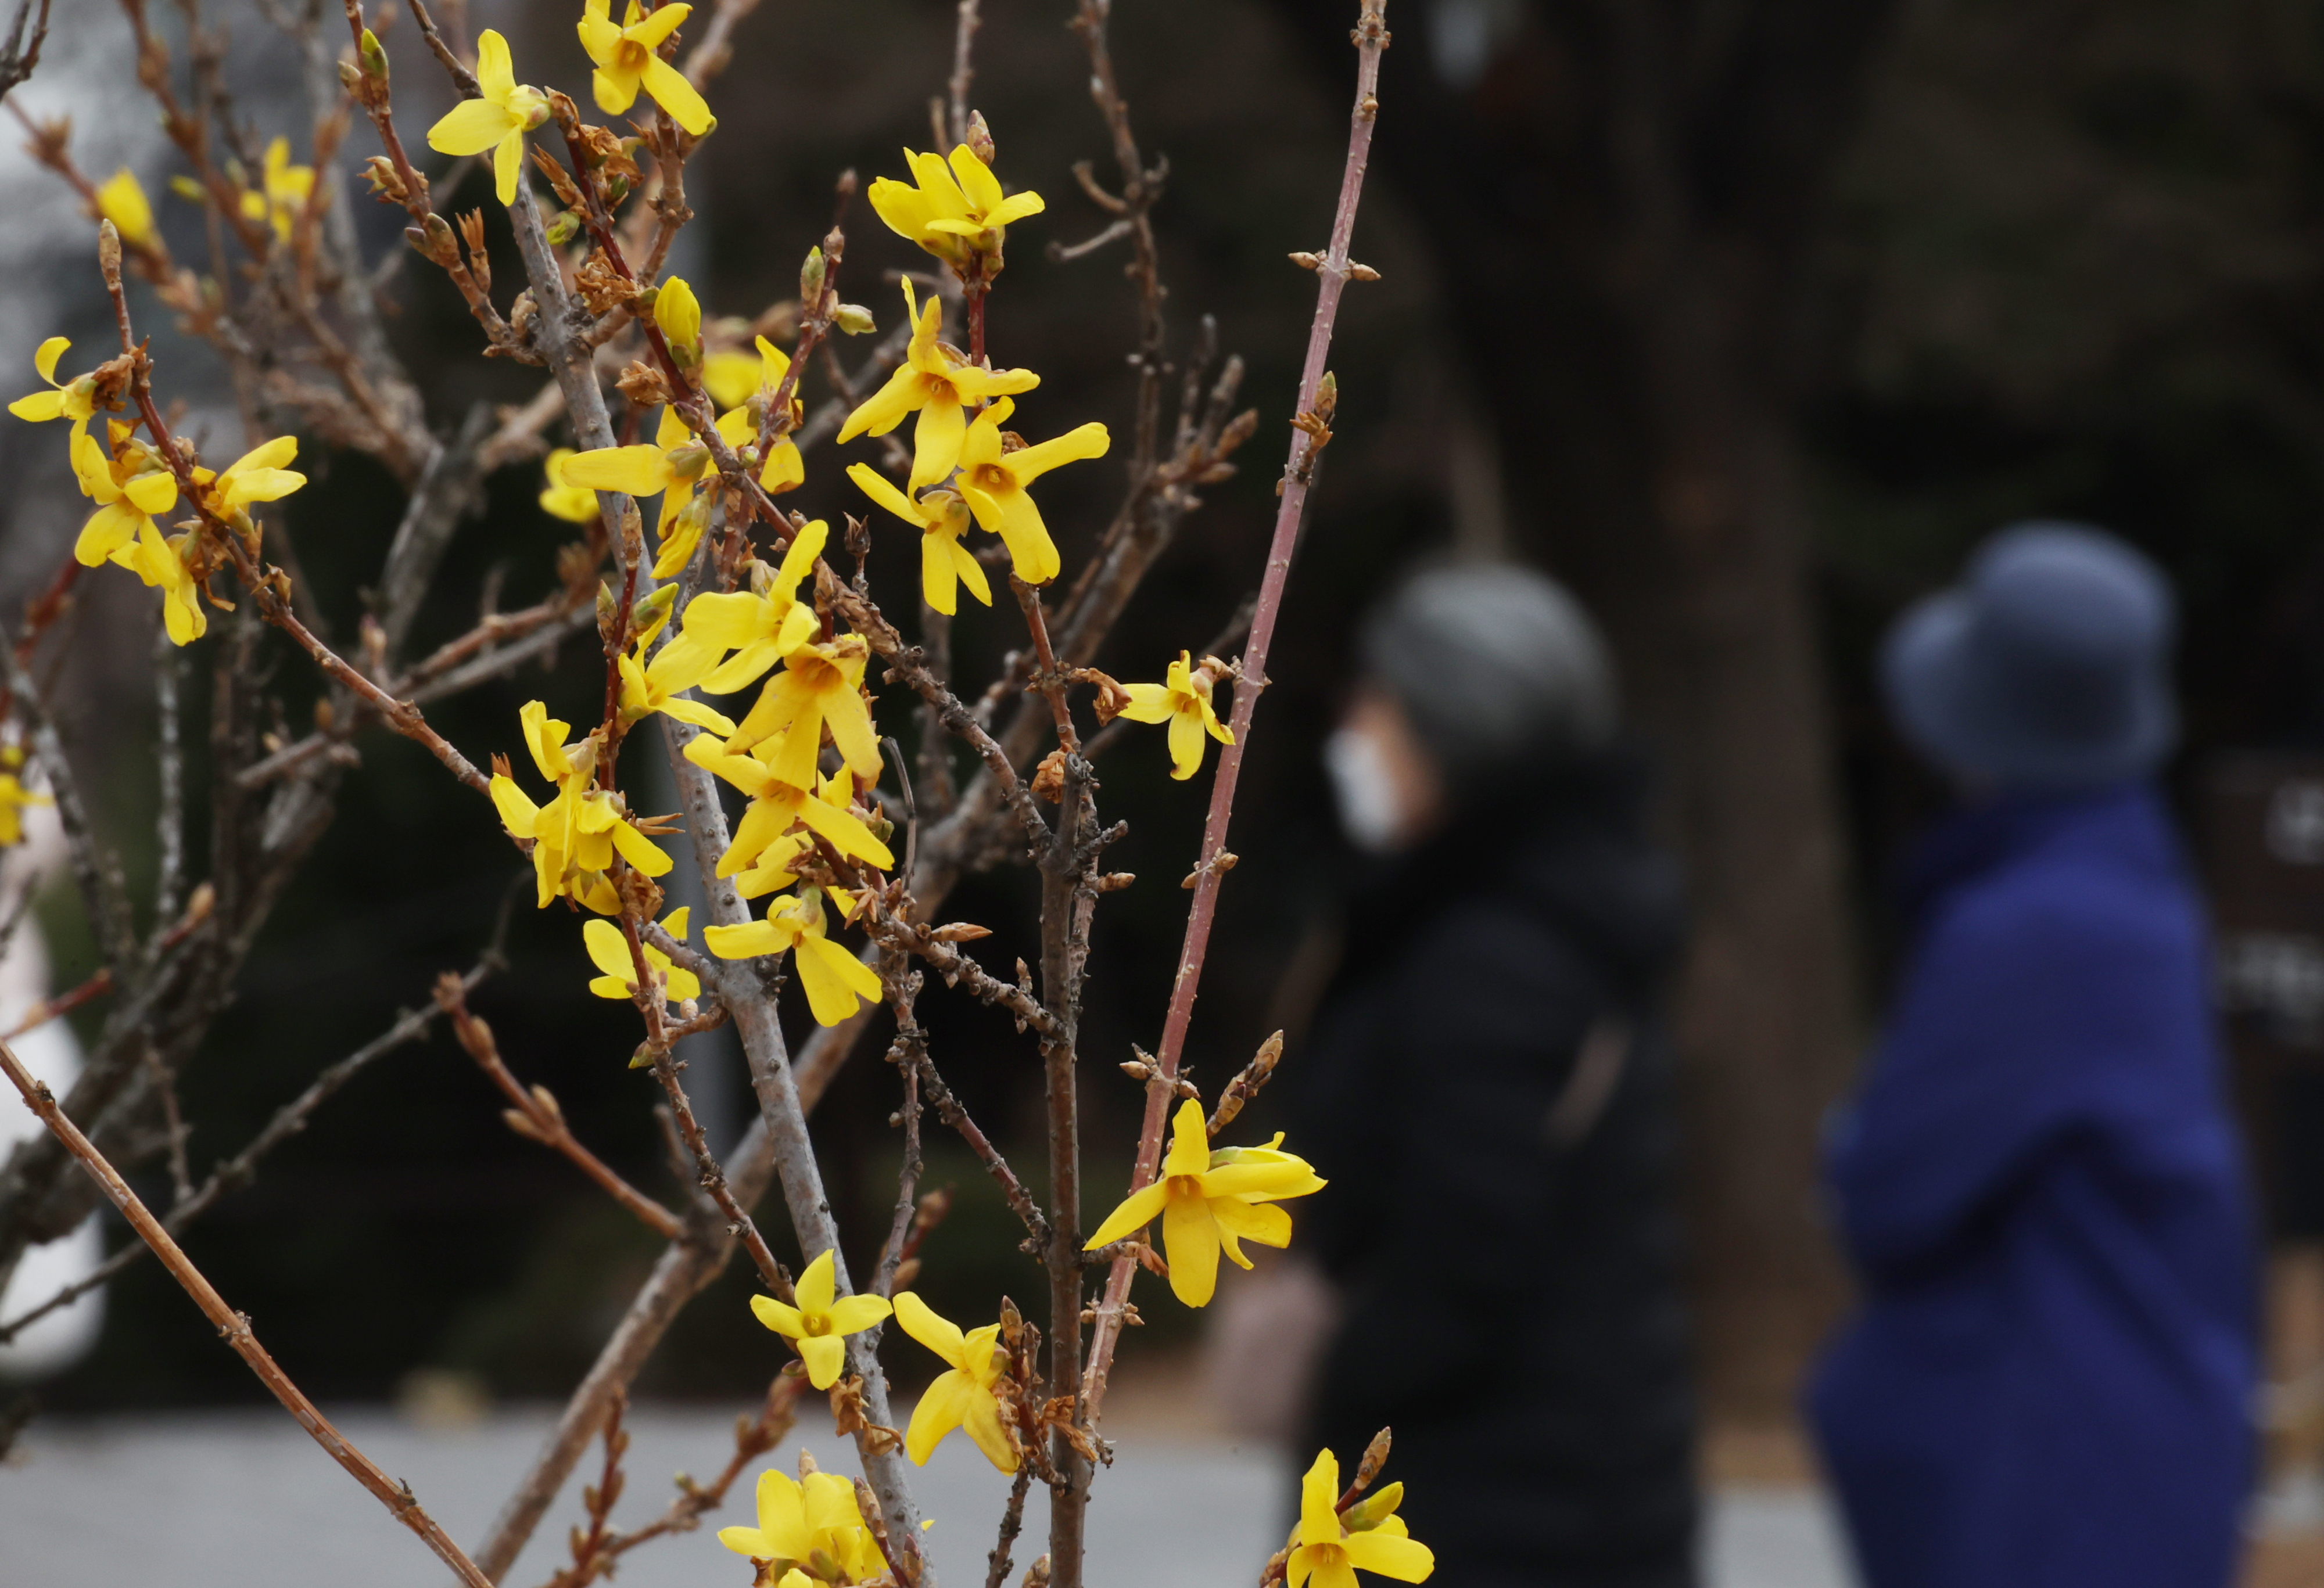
<point x="602" y="288"/>
<point x="1375" y="1458"/>
<point x="568" y="194"/>
<point x="1113" y="882"/>
<point x="905" y="1273"/>
<point x="1137" y="1069"/>
<point x="472" y="233"/>
<point x="1037" y="1575"/>
<point x="642" y="384"/>
<point x="1239" y="430"/>
<point x="1361" y="272"/>
<point x="1050" y="779"/>
<point x="1112" y="699"/>
<point x="961" y="931"/>
<point x="517" y="1121"/>
<point x="108" y="250"/>
<point x="548" y="1101"/>
<point x="1307" y="262"/>
<point x="1012" y="442"/>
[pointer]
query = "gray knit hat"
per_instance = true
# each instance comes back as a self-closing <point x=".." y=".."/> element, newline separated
<point x="2047" y="666"/>
<point x="1494" y="663"/>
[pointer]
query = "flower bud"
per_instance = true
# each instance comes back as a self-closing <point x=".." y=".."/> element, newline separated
<point x="651" y="612"/>
<point x="375" y="56"/>
<point x="1374" y="1510"/>
<point x="811" y="278"/>
<point x="191" y="191"/>
<point x="351" y="77"/>
<point x="561" y="229"/>
<point x="608" y="613"/>
<point x="854" y="319"/>
<point x="679" y="313"/>
<point x="980" y="138"/>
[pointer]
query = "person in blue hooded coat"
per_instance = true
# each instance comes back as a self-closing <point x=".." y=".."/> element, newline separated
<point x="2050" y="1379"/>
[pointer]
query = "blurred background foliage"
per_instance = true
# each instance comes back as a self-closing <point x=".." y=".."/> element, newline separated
<point x="2057" y="258"/>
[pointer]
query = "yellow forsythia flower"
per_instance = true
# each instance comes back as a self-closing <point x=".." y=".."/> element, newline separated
<point x="961" y="1398"/>
<point x="257" y="475"/>
<point x="576" y="504"/>
<point x="797" y="1522"/>
<point x="933" y="380"/>
<point x="15" y="798"/>
<point x="1182" y="699"/>
<point x="951" y="210"/>
<point x="777" y="805"/>
<point x="1208" y="1200"/>
<point x="819" y="1323"/>
<point x="835" y="980"/>
<point x="819" y="688"/>
<point x="498" y="120"/>
<point x="576" y="836"/>
<point x="161" y="564"/>
<point x="283" y="192"/>
<point x="626" y="58"/>
<point x="121" y="200"/>
<point x="609" y="952"/>
<point x="992" y="482"/>
<point x="75" y="400"/>
<point x="761" y="626"/>
<point x="942" y="518"/>
<point x="128" y="488"/>
<point x="658" y="686"/>
<point x="1370" y="1536"/>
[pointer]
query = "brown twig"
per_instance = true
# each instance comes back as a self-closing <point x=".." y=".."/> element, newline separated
<point x="236" y="1329"/>
<point x="535" y="1114"/>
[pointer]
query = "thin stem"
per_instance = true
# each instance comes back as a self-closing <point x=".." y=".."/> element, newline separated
<point x="236" y="1327"/>
<point x="1371" y="38"/>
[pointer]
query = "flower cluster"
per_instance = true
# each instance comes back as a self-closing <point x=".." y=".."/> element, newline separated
<point x="130" y="480"/>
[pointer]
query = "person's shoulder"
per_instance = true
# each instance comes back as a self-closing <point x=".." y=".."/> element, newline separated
<point x="2053" y="913"/>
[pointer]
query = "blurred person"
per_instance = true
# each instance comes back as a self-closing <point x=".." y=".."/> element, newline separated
<point x="2052" y="1377"/>
<point x="1487" y="1084"/>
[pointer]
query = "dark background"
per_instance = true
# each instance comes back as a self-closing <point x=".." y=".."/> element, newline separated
<point x="1886" y="277"/>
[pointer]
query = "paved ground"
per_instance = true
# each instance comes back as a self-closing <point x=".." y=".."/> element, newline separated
<point x="244" y="1500"/>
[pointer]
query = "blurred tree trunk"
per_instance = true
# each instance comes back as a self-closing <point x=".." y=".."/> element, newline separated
<point x="1623" y="196"/>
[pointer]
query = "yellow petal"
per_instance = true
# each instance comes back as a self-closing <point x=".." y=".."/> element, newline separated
<point x="641" y="470"/>
<point x="938" y="1333"/>
<point x="818" y="1284"/>
<point x="1185" y="745"/>
<point x="943" y="1406"/>
<point x="40" y="406"/>
<point x="673" y="93"/>
<point x="471" y="127"/>
<point x="1319" y="1497"/>
<point x="747" y="940"/>
<point x="982" y="1421"/>
<point x="640" y="850"/>
<point x="851" y="1315"/>
<point x="824" y="1355"/>
<point x="609" y="951"/>
<point x="495" y="73"/>
<point x="507" y="165"/>
<point x="1138" y="1210"/>
<point x="1191" y="1240"/>
<point x="1403" y="1559"/>
<point x="45" y="356"/>
<point x="1190" y="1141"/>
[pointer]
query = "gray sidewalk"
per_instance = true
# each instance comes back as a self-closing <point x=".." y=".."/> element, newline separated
<point x="244" y="1500"/>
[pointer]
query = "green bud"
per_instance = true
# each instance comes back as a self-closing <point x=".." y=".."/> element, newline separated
<point x="811" y="280"/>
<point x="1374" y="1509"/>
<point x="351" y="77"/>
<point x="186" y="188"/>
<point x="854" y="319"/>
<point x="616" y="189"/>
<point x="651" y="612"/>
<point x="439" y="239"/>
<point x="562" y="229"/>
<point x="375" y="56"/>
<point x="608" y="613"/>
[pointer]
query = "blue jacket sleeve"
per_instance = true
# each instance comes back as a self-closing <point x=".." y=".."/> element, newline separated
<point x="2027" y="1021"/>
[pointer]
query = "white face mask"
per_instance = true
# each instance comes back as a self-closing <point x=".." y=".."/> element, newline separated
<point x="1371" y="806"/>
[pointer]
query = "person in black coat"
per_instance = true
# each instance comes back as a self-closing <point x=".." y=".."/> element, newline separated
<point x="1488" y="1087"/>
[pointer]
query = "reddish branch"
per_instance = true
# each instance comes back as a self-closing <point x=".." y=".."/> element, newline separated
<point x="1310" y="433"/>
